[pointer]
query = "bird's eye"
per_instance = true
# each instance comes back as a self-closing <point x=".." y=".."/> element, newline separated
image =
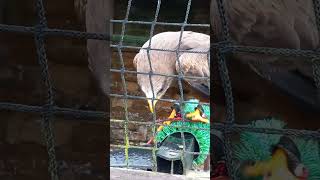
<point x="161" y="90"/>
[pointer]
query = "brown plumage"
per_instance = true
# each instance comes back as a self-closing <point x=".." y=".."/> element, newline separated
<point x="276" y="24"/>
<point x="164" y="62"/>
<point x="96" y="14"/>
<point x="290" y="93"/>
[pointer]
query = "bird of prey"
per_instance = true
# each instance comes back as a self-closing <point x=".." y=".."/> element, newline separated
<point x="170" y="62"/>
<point x="275" y="24"/>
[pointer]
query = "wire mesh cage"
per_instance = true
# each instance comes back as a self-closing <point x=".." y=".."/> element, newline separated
<point x="222" y="47"/>
<point x="49" y="110"/>
<point x="134" y="35"/>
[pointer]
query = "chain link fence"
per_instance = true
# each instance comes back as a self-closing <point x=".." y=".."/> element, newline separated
<point x="224" y="46"/>
<point x="220" y="49"/>
<point x="40" y="32"/>
<point x="124" y="38"/>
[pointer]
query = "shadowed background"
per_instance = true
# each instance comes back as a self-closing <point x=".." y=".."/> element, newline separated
<point x="80" y="143"/>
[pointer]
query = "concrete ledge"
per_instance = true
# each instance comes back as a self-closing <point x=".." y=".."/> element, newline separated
<point x="130" y="174"/>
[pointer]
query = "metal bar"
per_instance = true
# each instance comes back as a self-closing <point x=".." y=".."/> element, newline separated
<point x="55" y="110"/>
<point x="46" y="123"/>
<point x="17" y="29"/>
<point x="316" y="61"/>
<point x="127" y="144"/>
<point x="224" y="75"/>
<point x="160" y="23"/>
<point x="157" y="74"/>
<point x="156" y="49"/>
<point x="180" y="76"/>
<point x="290" y="132"/>
<point x="77" y="34"/>
<point x="151" y="124"/>
<point x="240" y="128"/>
<point x="276" y="51"/>
<point x="316" y="75"/>
<point x="244" y="49"/>
<point x="154" y="116"/>
<point x="54" y="32"/>
<point x="144" y="98"/>
<point x="316" y="7"/>
<point x="101" y="36"/>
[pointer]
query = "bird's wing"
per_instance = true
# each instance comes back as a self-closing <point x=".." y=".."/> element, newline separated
<point x="196" y="65"/>
<point x="97" y="13"/>
<point x="170" y="39"/>
<point x="191" y="40"/>
<point x="269" y="23"/>
<point x="293" y="83"/>
<point x="160" y="60"/>
<point x="276" y="24"/>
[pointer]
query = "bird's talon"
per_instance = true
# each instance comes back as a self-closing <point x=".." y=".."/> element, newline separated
<point x="201" y="119"/>
<point x="165" y="123"/>
<point x="172" y="115"/>
<point x="159" y="128"/>
<point x="196" y="116"/>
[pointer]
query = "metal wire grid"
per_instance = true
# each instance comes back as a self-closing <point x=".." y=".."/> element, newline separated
<point x="225" y="47"/>
<point x="40" y="31"/>
<point x="180" y="76"/>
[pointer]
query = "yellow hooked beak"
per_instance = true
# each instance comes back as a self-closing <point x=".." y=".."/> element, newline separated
<point x="195" y="116"/>
<point x="172" y="115"/>
<point x="276" y="166"/>
<point x="152" y="105"/>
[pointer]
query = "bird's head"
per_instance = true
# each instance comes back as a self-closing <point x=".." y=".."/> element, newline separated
<point x="276" y="168"/>
<point x="160" y="84"/>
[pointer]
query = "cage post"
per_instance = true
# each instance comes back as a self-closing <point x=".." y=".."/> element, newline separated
<point x="46" y="124"/>
<point x="224" y="75"/>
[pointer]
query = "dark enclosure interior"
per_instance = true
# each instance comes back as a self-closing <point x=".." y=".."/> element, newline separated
<point x="79" y="117"/>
